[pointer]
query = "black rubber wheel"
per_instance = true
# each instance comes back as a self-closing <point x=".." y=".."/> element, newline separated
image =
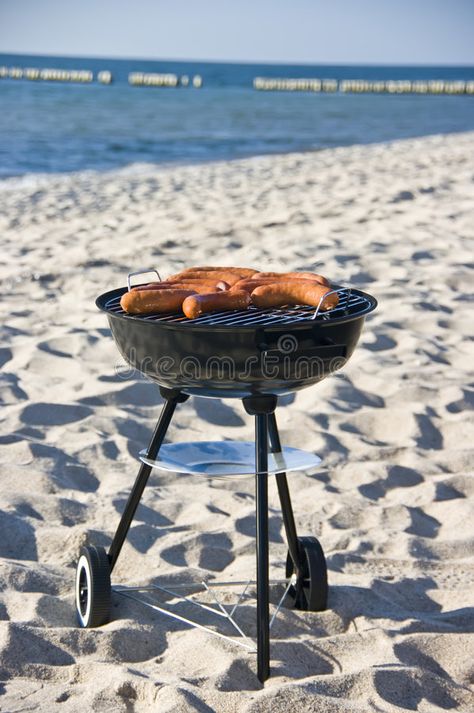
<point x="93" y="588"/>
<point x="310" y="593"/>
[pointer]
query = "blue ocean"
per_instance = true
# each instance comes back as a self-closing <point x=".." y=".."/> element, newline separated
<point x="59" y="127"/>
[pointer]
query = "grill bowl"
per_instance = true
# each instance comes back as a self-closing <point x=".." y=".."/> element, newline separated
<point x="238" y="354"/>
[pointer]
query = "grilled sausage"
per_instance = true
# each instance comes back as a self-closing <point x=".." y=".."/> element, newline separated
<point x="216" y="275"/>
<point x="250" y="285"/>
<point x="243" y="271"/>
<point x="201" y="286"/>
<point x="196" y="305"/>
<point x="150" y="301"/>
<point x="293" y="293"/>
<point x="294" y="276"/>
<point x="152" y="286"/>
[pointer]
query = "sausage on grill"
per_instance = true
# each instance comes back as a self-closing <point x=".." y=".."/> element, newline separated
<point x="216" y="275"/>
<point x="153" y="286"/>
<point x="243" y="271"/>
<point x="294" y="276"/>
<point x="249" y="285"/>
<point x="194" y="285"/>
<point x="150" y="301"/>
<point x="196" y="305"/>
<point x="292" y="293"/>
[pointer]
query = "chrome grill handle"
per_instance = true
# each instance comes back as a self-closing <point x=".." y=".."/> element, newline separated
<point x="141" y="272"/>
<point x="346" y="291"/>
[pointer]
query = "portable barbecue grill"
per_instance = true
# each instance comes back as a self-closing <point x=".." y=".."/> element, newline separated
<point x="255" y="355"/>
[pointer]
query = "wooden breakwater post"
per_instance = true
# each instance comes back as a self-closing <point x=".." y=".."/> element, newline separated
<point x="155" y="79"/>
<point x="143" y="79"/>
<point x="295" y="85"/>
<point x="364" y="86"/>
<point x="105" y="77"/>
<point x="152" y="79"/>
<point x="35" y="74"/>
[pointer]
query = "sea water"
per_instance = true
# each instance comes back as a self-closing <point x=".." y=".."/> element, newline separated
<point x="61" y="127"/>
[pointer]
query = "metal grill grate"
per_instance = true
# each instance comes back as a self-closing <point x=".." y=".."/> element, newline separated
<point x="351" y="302"/>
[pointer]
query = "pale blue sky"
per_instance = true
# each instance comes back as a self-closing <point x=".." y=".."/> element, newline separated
<point x="306" y="31"/>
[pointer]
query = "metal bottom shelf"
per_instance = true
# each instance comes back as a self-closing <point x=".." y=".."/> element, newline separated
<point x="224" y="459"/>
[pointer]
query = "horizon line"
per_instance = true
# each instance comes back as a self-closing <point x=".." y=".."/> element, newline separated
<point x="236" y="61"/>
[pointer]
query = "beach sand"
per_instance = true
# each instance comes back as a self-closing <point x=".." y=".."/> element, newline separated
<point x="392" y="503"/>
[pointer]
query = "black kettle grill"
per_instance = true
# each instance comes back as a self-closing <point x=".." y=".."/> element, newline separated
<point x="255" y="355"/>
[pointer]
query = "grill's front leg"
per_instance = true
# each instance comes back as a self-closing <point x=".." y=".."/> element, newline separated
<point x="172" y="398"/>
<point x="260" y="407"/>
<point x="261" y="492"/>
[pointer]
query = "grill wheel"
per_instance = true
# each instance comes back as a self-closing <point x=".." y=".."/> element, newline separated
<point x="93" y="588"/>
<point x="310" y="592"/>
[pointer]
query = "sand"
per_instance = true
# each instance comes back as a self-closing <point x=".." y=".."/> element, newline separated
<point x="392" y="503"/>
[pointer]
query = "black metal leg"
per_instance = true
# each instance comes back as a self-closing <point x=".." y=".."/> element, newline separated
<point x="261" y="489"/>
<point x="143" y="475"/>
<point x="285" y="500"/>
<point x="261" y="406"/>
